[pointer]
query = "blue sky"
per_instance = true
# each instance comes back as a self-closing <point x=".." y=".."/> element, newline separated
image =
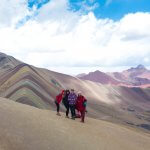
<point x="37" y="3"/>
<point x="113" y="9"/>
<point x="74" y="36"/>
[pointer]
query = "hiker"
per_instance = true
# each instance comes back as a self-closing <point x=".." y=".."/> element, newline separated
<point x="72" y="103"/>
<point x="58" y="99"/>
<point x="81" y="105"/>
<point x="66" y="102"/>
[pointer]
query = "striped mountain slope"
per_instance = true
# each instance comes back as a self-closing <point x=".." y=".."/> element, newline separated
<point x="24" y="82"/>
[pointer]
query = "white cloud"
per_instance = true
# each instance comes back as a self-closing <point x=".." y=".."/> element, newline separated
<point x="11" y="11"/>
<point x="54" y="10"/>
<point x="59" y="39"/>
<point x="86" y="8"/>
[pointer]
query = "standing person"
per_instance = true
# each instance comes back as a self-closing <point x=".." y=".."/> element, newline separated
<point x="72" y="103"/>
<point x="81" y="105"/>
<point x="58" y="100"/>
<point x="66" y="102"/>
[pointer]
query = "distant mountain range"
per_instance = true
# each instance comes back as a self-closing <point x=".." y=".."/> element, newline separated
<point x="133" y="77"/>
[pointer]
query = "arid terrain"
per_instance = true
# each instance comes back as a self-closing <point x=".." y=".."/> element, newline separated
<point x="24" y="127"/>
<point x="38" y="87"/>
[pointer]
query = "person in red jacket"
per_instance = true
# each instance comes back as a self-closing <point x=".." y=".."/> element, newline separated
<point x="81" y="105"/>
<point x="58" y="99"/>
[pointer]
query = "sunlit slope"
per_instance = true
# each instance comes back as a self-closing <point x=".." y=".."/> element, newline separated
<point x="24" y="127"/>
<point x="104" y="93"/>
<point x="125" y="105"/>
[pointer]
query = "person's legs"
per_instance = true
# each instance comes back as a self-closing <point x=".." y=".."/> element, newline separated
<point x="66" y="108"/>
<point x="58" y="107"/>
<point x="67" y="111"/>
<point x="72" y="111"/>
<point x="82" y="115"/>
<point x="78" y="114"/>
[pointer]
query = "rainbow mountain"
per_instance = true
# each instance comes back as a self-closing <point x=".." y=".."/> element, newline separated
<point x="38" y="87"/>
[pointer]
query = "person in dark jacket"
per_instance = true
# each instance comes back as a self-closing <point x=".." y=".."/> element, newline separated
<point x="58" y="99"/>
<point x="72" y="98"/>
<point x="81" y="105"/>
<point x="66" y="102"/>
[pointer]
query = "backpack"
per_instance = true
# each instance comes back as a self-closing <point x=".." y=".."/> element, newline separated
<point x="85" y="103"/>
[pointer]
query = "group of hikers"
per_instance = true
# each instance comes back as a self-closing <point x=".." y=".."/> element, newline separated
<point x="75" y="103"/>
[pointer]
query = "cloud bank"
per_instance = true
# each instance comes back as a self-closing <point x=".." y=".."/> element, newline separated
<point x="58" y="38"/>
